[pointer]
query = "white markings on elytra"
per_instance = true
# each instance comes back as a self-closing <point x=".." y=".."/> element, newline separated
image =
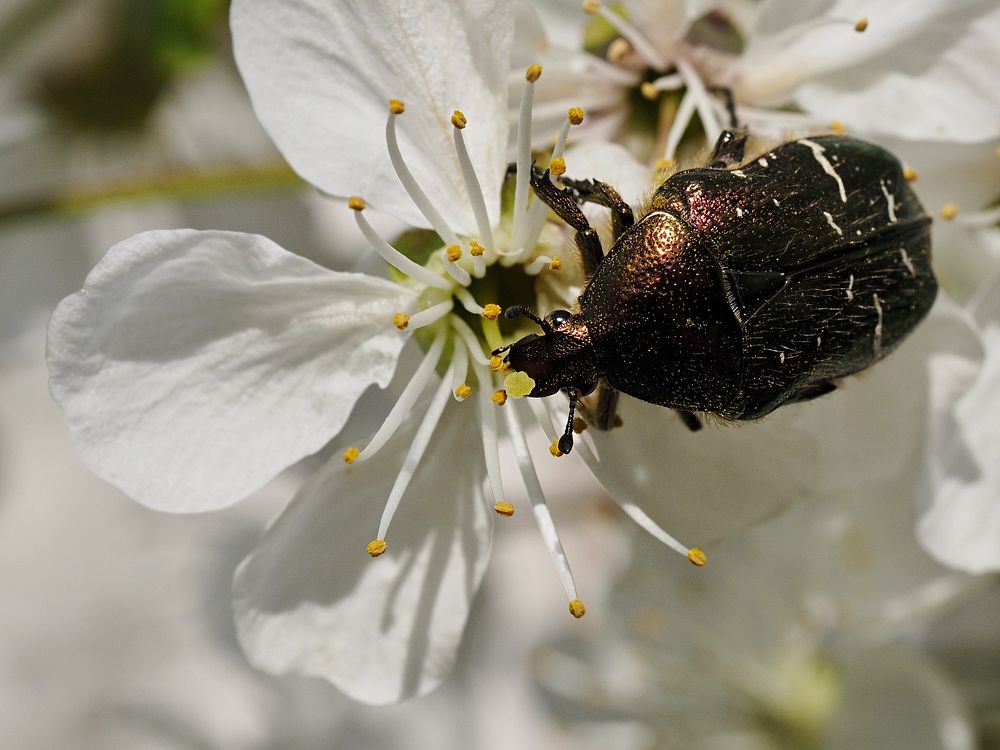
<point x="819" y="154"/>
<point x="890" y="202"/>
<point x="907" y="262"/>
<point x="877" y="342"/>
<point x="781" y="356"/>
<point x="739" y="212"/>
<point x="819" y="341"/>
<point x="850" y="287"/>
<point x="858" y="232"/>
<point x="775" y="201"/>
<point x="739" y="173"/>
<point x="762" y="161"/>
<point x="832" y="223"/>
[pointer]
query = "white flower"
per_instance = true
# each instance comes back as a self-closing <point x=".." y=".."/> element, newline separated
<point x="887" y="70"/>
<point x="803" y="634"/>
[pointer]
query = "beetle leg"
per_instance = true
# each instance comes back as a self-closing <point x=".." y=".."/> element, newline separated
<point x="690" y="419"/>
<point x="728" y="149"/>
<point x="565" y="207"/>
<point x="601" y="193"/>
<point x="727" y="97"/>
<point x="566" y="441"/>
<point x="813" y="391"/>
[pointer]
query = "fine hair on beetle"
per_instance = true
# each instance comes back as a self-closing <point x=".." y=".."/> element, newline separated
<point x="741" y="286"/>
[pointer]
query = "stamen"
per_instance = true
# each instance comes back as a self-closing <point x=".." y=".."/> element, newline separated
<point x="471" y="342"/>
<point x="697" y="557"/>
<point x="499" y="397"/>
<point x="685" y="110"/>
<point x="524" y="146"/>
<point x="548" y="419"/>
<point x="837" y="127"/>
<point x="473" y="186"/>
<point x="703" y="100"/>
<point x="391" y="255"/>
<point x="410" y="183"/>
<point x="416" y="451"/>
<point x="540" y="262"/>
<point x="577" y="609"/>
<point x="430" y="315"/>
<point x="502" y="508"/>
<point x="475" y="249"/>
<point x="350" y="454"/>
<point x="404" y="404"/>
<point x="635" y="37"/>
<point x="460" y="368"/>
<point x="401" y="320"/>
<point x="861" y="25"/>
<point x="984" y="219"/>
<point x="376" y="547"/>
<point x="618" y="50"/>
<point x="488" y="427"/>
<point x="491" y="311"/>
<point x="910" y="174"/>
<point x="498" y="364"/>
<point x="469" y="302"/>
<point x="542" y="516"/>
<point x="554" y="449"/>
<point x="557" y="167"/>
<point x="670" y="82"/>
<point x="949" y="211"/>
<point x="450" y="255"/>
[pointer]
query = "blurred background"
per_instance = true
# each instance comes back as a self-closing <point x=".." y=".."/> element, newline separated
<point x="118" y="116"/>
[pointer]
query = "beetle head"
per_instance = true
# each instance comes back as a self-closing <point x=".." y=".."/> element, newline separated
<point x="561" y="358"/>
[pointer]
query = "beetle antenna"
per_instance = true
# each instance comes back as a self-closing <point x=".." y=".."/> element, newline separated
<point x="566" y="441"/>
<point x="512" y="312"/>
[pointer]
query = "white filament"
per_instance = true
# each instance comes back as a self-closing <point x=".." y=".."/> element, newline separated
<point x="636" y="38"/>
<point x="396" y="259"/>
<point x="702" y="99"/>
<point x="475" y="192"/>
<point x="432" y="314"/>
<point x="471" y="342"/>
<point x="416" y="451"/>
<point x="488" y="425"/>
<point x="681" y="120"/>
<point x="459" y="366"/>
<point x="542" y="516"/>
<point x="404" y="404"/>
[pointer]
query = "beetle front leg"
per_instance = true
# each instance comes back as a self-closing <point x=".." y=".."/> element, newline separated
<point x="565" y="207"/>
<point x="728" y="150"/>
<point x="602" y="194"/>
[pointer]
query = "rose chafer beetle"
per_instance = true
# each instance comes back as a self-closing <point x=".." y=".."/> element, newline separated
<point x="744" y="287"/>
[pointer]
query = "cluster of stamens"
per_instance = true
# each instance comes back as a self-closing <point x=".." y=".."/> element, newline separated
<point x="442" y="282"/>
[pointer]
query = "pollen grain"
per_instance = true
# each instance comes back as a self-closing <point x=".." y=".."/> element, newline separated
<point x="697" y="557"/>
<point x="502" y="508"/>
<point x="376" y="547"/>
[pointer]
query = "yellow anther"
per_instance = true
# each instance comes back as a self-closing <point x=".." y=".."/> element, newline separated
<point x="837" y="127"/>
<point x="356" y="203"/>
<point x="351" y="455"/>
<point x="497" y="363"/>
<point x="579" y="425"/>
<point x="910" y="174"/>
<point x="697" y="557"/>
<point x="618" y="50"/>
<point x="491" y="311"/>
<point x="575" y="115"/>
<point x="662" y="165"/>
<point x="949" y="211"/>
<point x="458" y="119"/>
<point x="376" y="547"/>
<point x="401" y="320"/>
<point x="577" y="609"/>
<point x="556" y="264"/>
<point x="518" y="384"/>
<point x="463" y="391"/>
<point x="500" y="397"/>
<point x="591" y="6"/>
<point x="554" y="449"/>
<point x="396" y="106"/>
<point x="475" y="248"/>
<point x="503" y="509"/>
<point x="454" y="252"/>
<point x="861" y="25"/>
<point x="557" y="166"/>
<point x="649" y="90"/>
<point x="533" y="73"/>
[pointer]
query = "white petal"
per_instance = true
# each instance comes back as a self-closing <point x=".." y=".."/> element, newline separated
<point x="960" y="522"/>
<point x="311" y="600"/>
<point x="320" y="74"/>
<point x="703" y="486"/>
<point x="919" y="70"/>
<point x="940" y="85"/>
<point x="613" y="164"/>
<point x="194" y="366"/>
